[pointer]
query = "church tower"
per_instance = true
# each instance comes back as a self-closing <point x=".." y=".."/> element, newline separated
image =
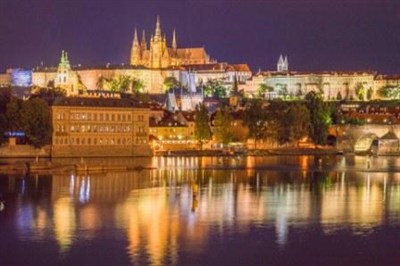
<point x="143" y="43"/>
<point x="63" y="70"/>
<point x="135" y="51"/>
<point x="283" y="64"/>
<point x="66" y="78"/>
<point x="174" y="46"/>
<point x="157" y="48"/>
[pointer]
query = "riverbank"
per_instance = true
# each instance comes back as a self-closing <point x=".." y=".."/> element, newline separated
<point x="257" y="152"/>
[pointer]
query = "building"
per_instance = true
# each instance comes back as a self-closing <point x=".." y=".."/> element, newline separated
<point x="159" y="55"/>
<point x="172" y="132"/>
<point x="91" y="127"/>
<point x="333" y="85"/>
<point x="283" y="64"/>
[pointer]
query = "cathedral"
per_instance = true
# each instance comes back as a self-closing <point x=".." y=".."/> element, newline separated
<point x="159" y="55"/>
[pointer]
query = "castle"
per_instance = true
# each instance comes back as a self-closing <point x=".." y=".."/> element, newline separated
<point x="159" y="55"/>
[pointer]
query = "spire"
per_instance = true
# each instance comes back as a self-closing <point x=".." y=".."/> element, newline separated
<point x="157" y="34"/>
<point x="135" y="38"/>
<point x="64" y="62"/>
<point x="280" y="59"/>
<point x="174" y="46"/>
<point x="143" y="44"/>
<point x="281" y="64"/>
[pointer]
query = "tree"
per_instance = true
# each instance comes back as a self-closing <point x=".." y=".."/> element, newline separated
<point x="319" y="117"/>
<point x="389" y="92"/>
<point x="36" y="122"/>
<point x="137" y="85"/>
<point x="13" y="114"/>
<point x="215" y="88"/>
<point x="360" y="91"/>
<point x="255" y="119"/>
<point x="5" y="98"/>
<point x="202" y="130"/>
<point x="262" y="89"/>
<point x="101" y="83"/>
<point x="222" y="126"/>
<point x="339" y="96"/>
<point x="370" y="91"/>
<point x="3" y="128"/>
<point x="235" y="87"/>
<point x="298" y="122"/>
<point x="284" y="92"/>
<point x="50" y="92"/>
<point x="276" y="120"/>
<point x="170" y="83"/>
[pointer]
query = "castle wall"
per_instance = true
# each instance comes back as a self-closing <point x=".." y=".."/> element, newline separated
<point x="5" y="79"/>
<point x="42" y="79"/>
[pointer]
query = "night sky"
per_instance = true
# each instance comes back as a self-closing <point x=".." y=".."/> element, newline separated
<point x="315" y="34"/>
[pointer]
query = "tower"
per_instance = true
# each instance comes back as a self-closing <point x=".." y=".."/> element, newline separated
<point x="282" y="65"/>
<point x="286" y="64"/>
<point x="143" y="44"/>
<point x="63" y="69"/>
<point x="157" y="48"/>
<point x="135" y="50"/>
<point x="66" y="78"/>
<point x="174" y="46"/>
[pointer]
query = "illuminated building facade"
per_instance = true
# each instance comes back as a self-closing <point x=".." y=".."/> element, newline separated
<point x="99" y="127"/>
<point x="332" y="85"/>
<point x="159" y="55"/>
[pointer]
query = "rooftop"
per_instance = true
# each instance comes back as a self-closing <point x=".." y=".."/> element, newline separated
<point x="98" y="102"/>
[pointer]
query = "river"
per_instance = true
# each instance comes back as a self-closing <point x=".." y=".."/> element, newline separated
<point x="276" y="210"/>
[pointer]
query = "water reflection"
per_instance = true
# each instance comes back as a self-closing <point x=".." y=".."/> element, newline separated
<point x="164" y="212"/>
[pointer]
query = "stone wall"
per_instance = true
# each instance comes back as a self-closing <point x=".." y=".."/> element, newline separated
<point x="23" y="151"/>
<point x="101" y="151"/>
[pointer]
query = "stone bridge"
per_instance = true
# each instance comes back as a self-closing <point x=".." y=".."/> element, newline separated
<point x="352" y="137"/>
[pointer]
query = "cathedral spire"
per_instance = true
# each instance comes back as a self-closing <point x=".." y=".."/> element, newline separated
<point x="157" y="34"/>
<point x="174" y="46"/>
<point x="64" y="62"/>
<point x="143" y="44"/>
<point x="135" y="39"/>
<point x="135" y="50"/>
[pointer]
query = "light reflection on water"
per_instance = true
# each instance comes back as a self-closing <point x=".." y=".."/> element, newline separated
<point x="176" y="211"/>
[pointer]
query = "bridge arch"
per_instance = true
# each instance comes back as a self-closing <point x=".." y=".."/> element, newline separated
<point x="365" y="142"/>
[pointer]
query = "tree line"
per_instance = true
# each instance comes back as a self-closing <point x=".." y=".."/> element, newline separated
<point x="32" y="117"/>
<point x="277" y="121"/>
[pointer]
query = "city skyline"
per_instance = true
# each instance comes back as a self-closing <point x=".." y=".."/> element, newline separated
<point x="331" y="36"/>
